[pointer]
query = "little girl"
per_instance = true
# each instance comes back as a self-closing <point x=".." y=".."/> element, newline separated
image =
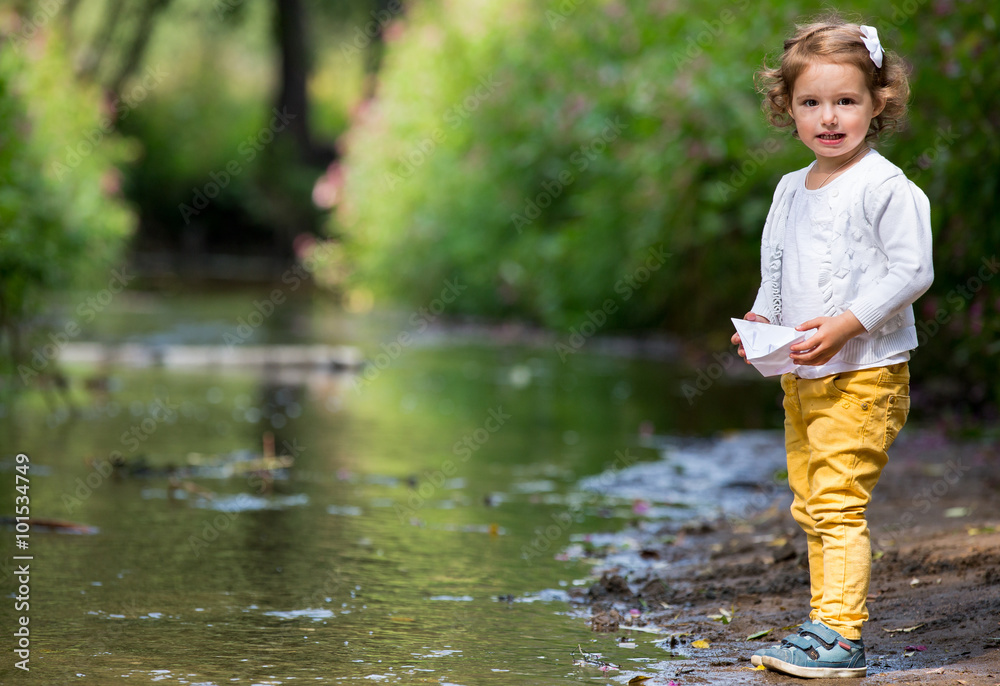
<point x="846" y="250"/>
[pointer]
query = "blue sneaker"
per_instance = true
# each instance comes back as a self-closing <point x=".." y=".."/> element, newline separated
<point x="815" y="651"/>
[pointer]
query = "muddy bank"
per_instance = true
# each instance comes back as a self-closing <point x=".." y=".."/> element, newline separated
<point x="935" y="592"/>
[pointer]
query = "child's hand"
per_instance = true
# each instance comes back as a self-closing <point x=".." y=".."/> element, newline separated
<point x="750" y="317"/>
<point x="831" y="335"/>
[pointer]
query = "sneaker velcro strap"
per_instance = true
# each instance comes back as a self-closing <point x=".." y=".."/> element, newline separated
<point x="801" y="642"/>
<point x="828" y="636"/>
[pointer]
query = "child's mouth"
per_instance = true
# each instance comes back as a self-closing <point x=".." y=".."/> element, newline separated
<point x="831" y="137"/>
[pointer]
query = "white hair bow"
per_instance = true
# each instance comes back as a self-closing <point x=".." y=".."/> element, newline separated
<point x="869" y="36"/>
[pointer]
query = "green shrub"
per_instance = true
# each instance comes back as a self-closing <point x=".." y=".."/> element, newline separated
<point x="431" y="194"/>
<point x="62" y="222"/>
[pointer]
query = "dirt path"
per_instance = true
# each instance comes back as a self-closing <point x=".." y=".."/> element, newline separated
<point x="935" y="593"/>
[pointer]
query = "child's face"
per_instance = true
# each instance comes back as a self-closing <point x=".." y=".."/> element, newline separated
<point x="832" y="108"/>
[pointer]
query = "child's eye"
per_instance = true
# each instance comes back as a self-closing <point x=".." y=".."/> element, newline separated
<point x="809" y="103"/>
<point x="845" y="101"/>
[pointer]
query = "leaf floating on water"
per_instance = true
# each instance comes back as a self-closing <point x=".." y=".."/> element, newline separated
<point x="593" y="660"/>
<point x="700" y="643"/>
<point x="759" y="634"/>
<point x="638" y="679"/>
<point x="906" y="630"/>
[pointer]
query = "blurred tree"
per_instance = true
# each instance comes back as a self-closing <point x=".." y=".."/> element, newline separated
<point x="290" y="25"/>
<point x="232" y="65"/>
<point x="63" y="223"/>
<point x="537" y="151"/>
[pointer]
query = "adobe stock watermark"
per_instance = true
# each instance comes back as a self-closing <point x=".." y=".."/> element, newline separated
<point x="420" y="321"/>
<point x="625" y="287"/>
<point x="261" y="310"/>
<point x="123" y="106"/>
<point x="562" y="12"/>
<point x="901" y="13"/>
<point x="581" y="160"/>
<point x="362" y="36"/>
<point x="464" y="448"/>
<point x="87" y="310"/>
<point x="712" y="31"/>
<point x="549" y="535"/>
<point x="958" y="297"/>
<point x="224" y="7"/>
<point x="45" y="11"/>
<point x="952" y="472"/>
<point x="212" y="529"/>
<point x="929" y="155"/>
<point x="248" y="150"/>
<point x="422" y="150"/>
<point x="706" y="378"/>
<point x="750" y="166"/>
<point x="160" y="410"/>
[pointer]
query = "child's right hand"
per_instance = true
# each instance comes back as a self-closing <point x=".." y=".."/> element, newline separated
<point x="750" y="317"/>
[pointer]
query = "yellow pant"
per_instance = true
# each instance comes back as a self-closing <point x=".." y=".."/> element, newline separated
<point x="837" y="431"/>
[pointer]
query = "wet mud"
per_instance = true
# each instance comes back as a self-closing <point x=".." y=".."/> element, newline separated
<point x="708" y="584"/>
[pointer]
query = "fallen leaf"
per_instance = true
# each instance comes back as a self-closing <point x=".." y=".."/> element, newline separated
<point x="700" y="643"/>
<point x="906" y="630"/>
<point x="914" y="581"/>
<point x="638" y="679"/>
<point x="759" y="668"/>
<point x="759" y="634"/>
<point x="724" y="616"/>
<point x="957" y="512"/>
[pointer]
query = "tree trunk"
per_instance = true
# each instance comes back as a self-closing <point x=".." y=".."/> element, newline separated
<point x="293" y="99"/>
<point x="112" y="13"/>
<point x="138" y="47"/>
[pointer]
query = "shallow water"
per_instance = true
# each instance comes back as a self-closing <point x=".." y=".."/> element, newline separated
<point x="421" y="535"/>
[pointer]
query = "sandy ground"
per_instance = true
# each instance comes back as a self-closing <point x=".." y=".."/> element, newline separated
<point x="935" y="594"/>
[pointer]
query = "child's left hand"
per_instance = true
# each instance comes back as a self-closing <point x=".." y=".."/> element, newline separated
<point x="831" y="335"/>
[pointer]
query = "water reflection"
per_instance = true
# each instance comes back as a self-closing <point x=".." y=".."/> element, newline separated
<point x="414" y="535"/>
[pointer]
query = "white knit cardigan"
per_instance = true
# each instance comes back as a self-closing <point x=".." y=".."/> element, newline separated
<point x="878" y="258"/>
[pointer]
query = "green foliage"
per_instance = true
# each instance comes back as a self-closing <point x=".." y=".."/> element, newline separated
<point x="952" y="150"/>
<point x="431" y="194"/>
<point x="612" y="130"/>
<point x="62" y="223"/>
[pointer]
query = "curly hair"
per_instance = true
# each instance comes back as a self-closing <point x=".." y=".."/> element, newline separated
<point x="830" y="38"/>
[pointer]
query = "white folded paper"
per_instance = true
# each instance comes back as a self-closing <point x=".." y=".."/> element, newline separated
<point x="768" y="346"/>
